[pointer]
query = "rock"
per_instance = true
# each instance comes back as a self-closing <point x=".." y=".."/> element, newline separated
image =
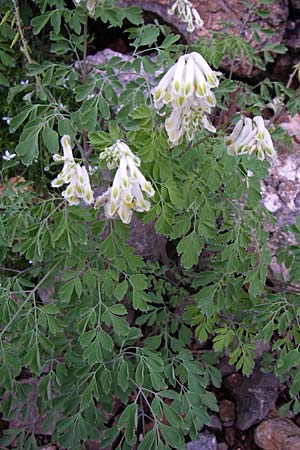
<point x="215" y="423"/>
<point x="224" y="366"/>
<point x="146" y="241"/>
<point x="278" y="434"/>
<point x="143" y="237"/>
<point x="281" y="194"/>
<point x="227" y="412"/>
<point x="34" y="420"/>
<point x="216" y="14"/>
<point x="222" y="446"/>
<point x="230" y="436"/>
<point x="254" y="396"/>
<point x="206" y="441"/>
<point x="295" y="4"/>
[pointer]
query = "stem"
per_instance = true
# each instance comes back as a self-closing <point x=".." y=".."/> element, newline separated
<point x="85" y="39"/>
<point x="86" y="150"/>
<point x="24" y="47"/>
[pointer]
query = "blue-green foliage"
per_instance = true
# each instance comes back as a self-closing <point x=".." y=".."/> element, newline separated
<point x="102" y="331"/>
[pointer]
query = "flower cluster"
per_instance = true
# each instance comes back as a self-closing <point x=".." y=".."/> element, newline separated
<point x="129" y="185"/>
<point x="74" y="175"/>
<point x="187" y="88"/>
<point x="250" y="136"/>
<point x="187" y="14"/>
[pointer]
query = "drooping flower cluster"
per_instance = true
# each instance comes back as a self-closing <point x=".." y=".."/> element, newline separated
<point x="129" y="185"/>
<point x="250" y="136"/>
<point x="187" y="14"/>
<point x="74" y="175"/>
<point x="187" y="88"/>
<point x="89" y="4"/>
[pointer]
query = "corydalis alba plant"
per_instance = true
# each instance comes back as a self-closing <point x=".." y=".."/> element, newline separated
<point x="250" y="136"/>
<point x="73" y="174"/>
<point x="187" y="14"/>
<point x="187" y="88"/>
<point x="129" y="186"/>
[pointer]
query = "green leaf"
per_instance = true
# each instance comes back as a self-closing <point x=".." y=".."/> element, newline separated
<point x="104" y="108"/>
<point x="205" y="299"/>
<point x="28" y="150"/>
<point x="105" y="340"/>
<point x="169" y="40"/>
<point x="50" y="138"/>
<point x="123" y="375"/>
<point x="138" y="282"/>
<point x="106" y="380"/>
<point x="121" y="290"/>
<point x="81" y="92"/>
<point x="172" y="437"/>
<point x="172" y="416"/>
<point x="38" y="23"/>
<point x="17" y="120"/>
<point x="148" y="440"/>
<point x="133" y="14"/>
<point x="119" y="310"/>
<point x="190" y="248"/>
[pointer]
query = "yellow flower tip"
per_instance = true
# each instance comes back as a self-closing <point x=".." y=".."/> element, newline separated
<point x="181" y="100"/>
<point x="188" y="88"/>
<point x="260" y="135"/>
<point x="157" y="94"/>
<point x="115" y="192"/>
<point x="177" y="85"/>
<point x="211" y="79"/>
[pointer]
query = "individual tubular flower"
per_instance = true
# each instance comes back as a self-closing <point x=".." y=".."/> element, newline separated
<point x="73" y="174"/>
<point x="129" y="186"/>
<point x="250" y="137"/>
<point x="190" y="79"/>
<point x="264" y="143"/>
<point x="187" y="14"/>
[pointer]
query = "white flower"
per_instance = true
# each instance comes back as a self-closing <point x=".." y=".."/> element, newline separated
<point x="185" y="122"/>
<point x="187" y="88"/>
<point x="189" y="80"/>
<point x="73" y="174"/>
<point x="187" y="14"/>
<point x="6" y="119"/>
<point x="129" y="185"/>
<point x="263" y="140"/>
<point x="113" y="154"/>
<point x="8" y="156"/>
<point x="250" y="137"/>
